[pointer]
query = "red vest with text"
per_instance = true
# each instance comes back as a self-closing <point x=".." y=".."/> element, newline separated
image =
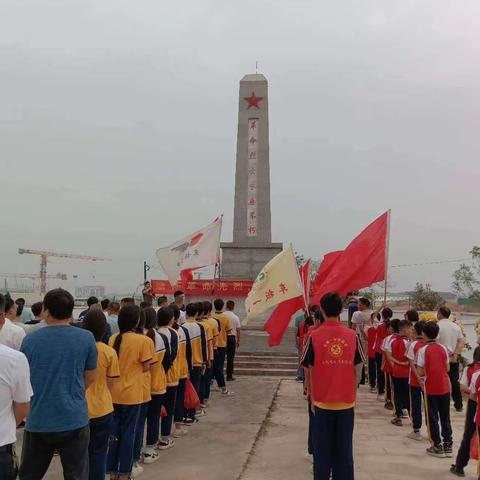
<point x="335" y="383"/>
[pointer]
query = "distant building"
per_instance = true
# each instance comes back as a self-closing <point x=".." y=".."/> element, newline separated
<point x="90" y="291"/>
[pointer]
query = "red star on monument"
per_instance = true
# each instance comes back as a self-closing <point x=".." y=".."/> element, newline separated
<point x="253" y="100"/>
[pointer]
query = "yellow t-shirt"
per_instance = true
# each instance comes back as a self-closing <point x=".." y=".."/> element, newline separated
<point x="210" y="339"/>
<point x="135" y="350"/>
<point x="173" y="373"/>
<point x="215" y="331"/>
<point x="181" y="360"/>
<point x="195" y="332"/>
<point x="99" y="398"/>
<point x="147" y="378"/>
<point x="159" y="379"/>
<point x="225" y="328"/>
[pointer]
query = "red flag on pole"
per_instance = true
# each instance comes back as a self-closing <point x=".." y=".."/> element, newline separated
<point x="324" y="269"/>
<point x="280" y="318"/>
<point x="361" y="264"/>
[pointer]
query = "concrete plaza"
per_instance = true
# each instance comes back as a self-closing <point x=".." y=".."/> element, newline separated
<point x="260" y="434"/>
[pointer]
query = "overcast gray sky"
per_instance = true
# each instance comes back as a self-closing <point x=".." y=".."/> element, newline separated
<point x="118" y="126"/>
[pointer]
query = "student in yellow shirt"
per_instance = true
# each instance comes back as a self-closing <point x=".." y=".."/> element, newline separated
<point x="211" y="332"/>
<point x="165" y="319"/>
<point x="99" y="398"/>
<point x="225" y="329"/>
<point x="158" y="384"/>
<point x="135" y="353"/>
<point x="147" y="396"/>
<point x="198" y="344"/>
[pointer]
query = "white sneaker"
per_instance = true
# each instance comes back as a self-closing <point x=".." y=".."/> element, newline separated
<point x="165" y="444"/>
<point x="200" y="413"/>
<point x="405" y="413"/>
<point x="136" y="470"/>
<point x="179" y="432"/>
<point x="415" y="436"/>
<point x="150" y="455"/>
<point x="227" y="393"/>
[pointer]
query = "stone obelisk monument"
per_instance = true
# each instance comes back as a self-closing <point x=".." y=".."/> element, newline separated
<point x="252" y="245"/>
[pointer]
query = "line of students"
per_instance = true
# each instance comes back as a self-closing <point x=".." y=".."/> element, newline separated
<point x="156" y="356"/>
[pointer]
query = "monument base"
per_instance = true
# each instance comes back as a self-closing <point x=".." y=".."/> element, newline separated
<point x="246" y="261"/>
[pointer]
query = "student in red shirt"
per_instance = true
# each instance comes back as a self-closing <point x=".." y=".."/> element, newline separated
<point x="329" y="357"/>
<point x="371" y="339"/>
<point x="414" y="382"/>
<point x="393" y="330"/>
<point x="433" y="365"/>
<point x="400" y="371"/>
<point x="469" y="378"/>
<point x="382" y="332"/>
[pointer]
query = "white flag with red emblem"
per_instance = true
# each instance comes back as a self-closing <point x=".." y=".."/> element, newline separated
<point x="200" y="249"/>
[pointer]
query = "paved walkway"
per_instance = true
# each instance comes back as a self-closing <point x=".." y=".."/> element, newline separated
<point x="260" y="434"/>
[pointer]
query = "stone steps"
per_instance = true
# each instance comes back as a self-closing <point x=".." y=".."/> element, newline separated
<point x="270" y="364"/>
<point x="267" y="372"/>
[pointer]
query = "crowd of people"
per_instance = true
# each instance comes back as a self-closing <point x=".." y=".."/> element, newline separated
<point x="110" y="395"/>
<point x="411" y="365"/>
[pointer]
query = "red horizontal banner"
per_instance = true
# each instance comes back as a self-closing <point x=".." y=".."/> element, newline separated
<point x="232" y="288"/>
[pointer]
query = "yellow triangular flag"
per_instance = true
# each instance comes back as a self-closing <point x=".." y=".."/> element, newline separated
<point x="278" y="281"/>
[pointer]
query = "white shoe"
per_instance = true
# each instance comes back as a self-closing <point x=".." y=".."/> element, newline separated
<point x="200" y="413"/>
<point x="179" y="432"/>
<point x="150" y="456"/>
<point x="165" y="444"/>
<point x="136" y="470"/>
<point x="227" y="393"/>
<point x="415" y="436"/>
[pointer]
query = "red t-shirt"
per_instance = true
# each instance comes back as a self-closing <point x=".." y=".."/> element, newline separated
<point x="331" y="351"/>
<point x="372" y="337"/>
<point x="387" y="346"/>
<point x="433" y="358"/>
<point x="382" y="332"/>
<point x="399" y="351"/>
<point x="412" y="351"/>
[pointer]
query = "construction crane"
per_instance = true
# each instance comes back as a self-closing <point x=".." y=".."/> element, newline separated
<point x="43" y="262"/>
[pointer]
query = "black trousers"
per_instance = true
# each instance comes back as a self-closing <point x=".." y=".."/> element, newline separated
<point x="456" y="393"/>
<point x="380" y="374"/>
<point x="231" y="348"/>
<point x="169" y="404"/>
<point x="416" y="407"/>
<point x="388" y="387"/>
<point x="8" y="465"/>
<point x="401" y="396"/>
<point x="218" y="366"/>
<point x="372" y="372"/>
<point x="438" y="410"/>
<point x="463" y="455"/>
<point x="332" y="444"/>
<point x="38" y="449"/>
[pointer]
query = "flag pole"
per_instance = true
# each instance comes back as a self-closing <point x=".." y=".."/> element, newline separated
<point x="387" y="251"/>
<point x="217" y="264"/>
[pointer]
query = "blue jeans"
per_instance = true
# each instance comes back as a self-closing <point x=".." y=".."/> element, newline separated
<point x="195" y="378"/>
<point x="120" y="447"/>
<point x="137" y="447"/>
<point x="179" y="412"/>
<point x="153" y="419"/>
<point x="100" y="430"/>
<point x="332" y="444"/>
<point x="218" y="365"/>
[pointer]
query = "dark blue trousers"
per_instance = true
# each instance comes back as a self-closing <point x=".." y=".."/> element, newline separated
<point x="120" y="447"/>
<point x="180" y="402"/>
<point x="195" y="378"/>
<point x="463" y="455"/>
<point x="169" y="404"/>
<point x="218" y="366"/>
<point x="139" y="431"/>
<point x="401" y="395"/>
<point x="372" y="372"/>
<point x="332" y="444"/>
<point x="310" y="428"/>
<point x="416" y="407"/>
<point x="100" y="430"/>
<point x="206" y="379"/>
<point x="153" y="419"/>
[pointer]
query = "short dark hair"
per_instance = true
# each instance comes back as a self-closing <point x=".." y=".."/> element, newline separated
<point x="146" y="283"/>
<point x="178" y="293"/>
<point x="128" y="301"/>
<point x="395" y="324"/>
<point x="219" y="304"/>
<point x="419" y="327"/>
<point x="96" y="323"/>
<point x="37" y="308"/>
<point x="92" y="301"/>
<point x="161" y="300"/>
<point x="445" y="311"/>
<point x="164" y="316"/>
<point x="20" y="301"/>
<point x="365" y="301"/>
<point x="191" y="309"/>
<point x="105" y="303"/>
<point x="2" y="303"/>
<point x="332" y="304"/>
<point x="404" y="324"/>
<point x="176" y="312"/>
<point x="412" y="315"/>
<point x="230" y="304"/>
<point x="431" y="329"/>
<point x="59" y="303"/>
<point x="9" y="303"/>
<point x="387" y="313"/>
<point x="150" y="318"/>
<point x="207" y="307"/>
<point x="114" y="306"/>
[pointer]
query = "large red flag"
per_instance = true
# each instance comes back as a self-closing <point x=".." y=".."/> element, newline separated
<point x="280" y="318"/>
<point x="361" y="264"/>
<point x="324" y="269"/>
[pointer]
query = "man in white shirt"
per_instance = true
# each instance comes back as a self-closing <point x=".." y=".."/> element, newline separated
<point x="11" y="335"/>
<point x="15" y="393"/>
<point x="360" y="320"/>
<point x="451" y="337"/>
<point x="233" y="338"/>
